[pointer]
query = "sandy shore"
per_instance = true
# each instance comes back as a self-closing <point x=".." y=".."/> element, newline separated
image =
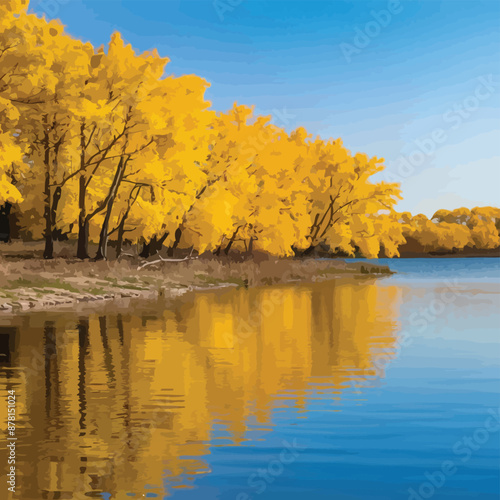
<point x="35" y="284"/>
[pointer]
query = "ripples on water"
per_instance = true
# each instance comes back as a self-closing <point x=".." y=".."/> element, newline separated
<point x="350" y="390"/>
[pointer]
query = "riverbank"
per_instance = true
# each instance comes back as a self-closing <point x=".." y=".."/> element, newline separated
<point x="35" y="284"/>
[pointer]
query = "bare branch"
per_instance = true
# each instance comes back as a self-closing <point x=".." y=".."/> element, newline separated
<point x="161" y="259"/>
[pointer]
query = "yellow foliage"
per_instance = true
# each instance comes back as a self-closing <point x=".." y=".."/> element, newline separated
<point x="455" y="230"/>
<point x="99" y="144"/>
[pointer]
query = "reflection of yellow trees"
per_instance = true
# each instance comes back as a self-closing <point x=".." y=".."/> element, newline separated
<point x="124" y="401"/>
<point x="354" y="326"/>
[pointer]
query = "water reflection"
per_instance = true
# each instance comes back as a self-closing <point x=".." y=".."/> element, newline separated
<point x="132" y="402"/>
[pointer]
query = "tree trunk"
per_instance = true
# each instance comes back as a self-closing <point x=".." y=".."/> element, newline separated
<point x="5" y="222"/>
<point x="231" y="241"/>
<point x="48" y="252"/>
<point x="159" y="244"/>
<point x="307" y="251"/>
<point x="119" y="241"/>
<point x="250" y="246"/>
<point x="82" y="251"/>
<point x="228" y="247"/>
<point x="83" y="239"/>
<point x="153" y="247"/>
<point x="102" y="251"/>
<point x="145" y="252"/>
<point x="178" y="234"/>
<point x="121" y="226"/>
<point x="56" y="233"/>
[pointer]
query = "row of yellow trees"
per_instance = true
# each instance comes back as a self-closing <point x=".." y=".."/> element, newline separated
<point x="100" y="145"/>
<point x="449" y="231"/>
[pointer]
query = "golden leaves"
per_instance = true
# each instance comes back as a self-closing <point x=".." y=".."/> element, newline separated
<point x="121" y="144"/>
<point x="449" y="231"/>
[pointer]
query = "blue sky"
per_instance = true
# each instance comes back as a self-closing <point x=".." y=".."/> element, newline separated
<point x="414" y="82"/>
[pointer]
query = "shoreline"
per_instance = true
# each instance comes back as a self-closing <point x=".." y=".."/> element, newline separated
<point x="38" y="285"/>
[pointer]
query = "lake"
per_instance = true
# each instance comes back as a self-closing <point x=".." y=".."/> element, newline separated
<point x="362" y="388"/>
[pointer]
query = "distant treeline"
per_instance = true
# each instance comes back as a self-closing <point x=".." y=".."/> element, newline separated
<point x="462" y="230"/>
<point x="98" y="145"/>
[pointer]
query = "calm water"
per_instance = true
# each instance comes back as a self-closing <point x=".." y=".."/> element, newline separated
<point x="355" y="389"/>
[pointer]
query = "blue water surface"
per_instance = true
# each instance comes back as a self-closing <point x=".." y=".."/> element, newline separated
<point x="428" y="429"/>
<point x="357" y="388"/>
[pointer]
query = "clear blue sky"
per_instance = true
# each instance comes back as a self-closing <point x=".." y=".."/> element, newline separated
<point x="430" y="73"/>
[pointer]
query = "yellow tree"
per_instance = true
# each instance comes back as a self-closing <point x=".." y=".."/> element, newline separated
<point x="420" y="229"/>
<point x="108" y="130"/>
<point x="43" y="70"/>
<point x="484" y="225"/>
<point x="444" y="233"/>
<point x="279" y="218"/>
<point x="11" y="161"/>
<point x="158" y="125"/>
<point x="220" y="204"/>
<point x="481" y="224"/>
<point x="452" y="237"/>
<point x="171" y="181"/>
<point x="344" y="202"/>
<point x="457" y="216"/>
<point x="17" y="56"/>
<point x="11" y="155"/>
<point x="49" y="126"/>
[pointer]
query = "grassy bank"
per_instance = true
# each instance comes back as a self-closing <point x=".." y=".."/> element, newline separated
<point x="28" y="282"/>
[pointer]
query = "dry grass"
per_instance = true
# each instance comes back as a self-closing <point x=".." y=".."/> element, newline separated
<point x="27" y="281"/>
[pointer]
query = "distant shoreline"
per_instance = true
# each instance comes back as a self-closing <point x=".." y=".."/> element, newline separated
<point x="461" y="255"/>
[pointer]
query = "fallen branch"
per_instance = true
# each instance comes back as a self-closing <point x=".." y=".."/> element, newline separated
<point x="161" y="259"/>
<point x="123" y="254"/>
